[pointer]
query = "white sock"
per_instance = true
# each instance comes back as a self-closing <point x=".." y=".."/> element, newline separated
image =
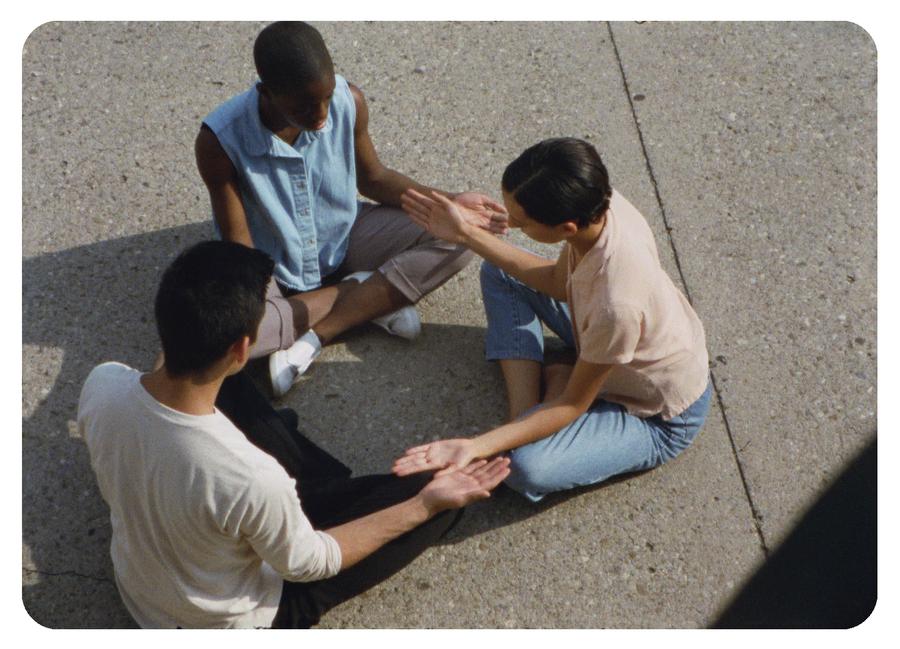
<point x="304" y="350"/>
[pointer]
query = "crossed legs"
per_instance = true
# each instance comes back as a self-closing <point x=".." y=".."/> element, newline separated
<point x="405" y="262"/>
<point x="329" y="497"/>
<point x="602" y="442"/>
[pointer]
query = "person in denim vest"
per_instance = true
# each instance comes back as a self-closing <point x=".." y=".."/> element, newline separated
<point x="639" y="390"/>
<point x="283" y="162"/>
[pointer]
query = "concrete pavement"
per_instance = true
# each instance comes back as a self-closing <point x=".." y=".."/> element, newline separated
<point x="749" y="147"/>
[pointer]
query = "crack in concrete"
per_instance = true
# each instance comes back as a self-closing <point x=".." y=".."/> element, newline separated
<point x="757" y="517"/>
<point x="67" y="573"/>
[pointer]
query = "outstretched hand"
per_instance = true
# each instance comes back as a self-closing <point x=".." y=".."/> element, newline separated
<point x="459" y="488"/>
<point x="449" y="220"/>
<point x="445" y="455"/>
<point x="492" y="215"/>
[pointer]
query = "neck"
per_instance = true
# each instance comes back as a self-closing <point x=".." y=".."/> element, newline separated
<point x="191" y="395"/>
<point x="587" y="237"/>
<point x="273" y="121"/>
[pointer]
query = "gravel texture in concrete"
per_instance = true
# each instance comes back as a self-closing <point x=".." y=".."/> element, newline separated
<point x="750" y="148"/>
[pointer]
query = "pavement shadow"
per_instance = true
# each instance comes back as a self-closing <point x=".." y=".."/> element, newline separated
<point x="81" y="306"/>
<point x="507" y="507"/>
<point x="365" y="401"/>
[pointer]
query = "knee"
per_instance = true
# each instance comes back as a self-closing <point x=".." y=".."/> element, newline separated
<point x="491" y="275"/>
<point x="453" y="257"/>
<point x="465" y="256"/>
<point x="529" y="473"/>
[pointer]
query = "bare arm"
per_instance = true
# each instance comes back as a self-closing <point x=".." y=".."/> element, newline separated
<point x="373" y="179"/>
<point x="448" y="221"/>
<point x="221" y="179"/>
<point x="581" y="390"/>
<point x="361" y="537"/>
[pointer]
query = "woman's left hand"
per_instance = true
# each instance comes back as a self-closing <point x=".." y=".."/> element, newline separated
<point x="445" y="455"/>
<point x="439" y="215"/>
<point x="492" y="214"/>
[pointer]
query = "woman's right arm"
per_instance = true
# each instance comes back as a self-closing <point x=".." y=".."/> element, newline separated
<point x="221" y="179"/>
<point x="447" y="220"/>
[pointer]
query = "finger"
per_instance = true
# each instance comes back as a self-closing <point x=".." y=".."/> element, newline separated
<point x="414" y="465"/>
<point x="419" y="204"/>
<point x="493" y="473"/>
<point x="410" y="461"/>
<point x="450" y="468"/>
<point x="491" y="481"/>
<point x="418" y="449"/>
<point x="441" y="198"/>
<point x="405" y="471"/>
<point x="413" y="196"/>
<point x="494" y="205"/>
<point x="414" y="209"/>
<point x="418" y="219"/>
<point x="474" y="466"/>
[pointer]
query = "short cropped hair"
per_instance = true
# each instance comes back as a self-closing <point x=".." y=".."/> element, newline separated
<point x="558" y="180"/>
<point x="290" y="55"/>
<point x="211" y="296"/>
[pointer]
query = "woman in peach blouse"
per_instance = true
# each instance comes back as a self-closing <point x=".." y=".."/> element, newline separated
<point x="639" y="390"/>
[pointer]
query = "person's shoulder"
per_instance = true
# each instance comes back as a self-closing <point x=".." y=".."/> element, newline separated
<point x="349" y="94"/>
<point x="628" y="217"/>
<point x="110" y="373"/>
<point x="229" y="111"/>
<point x="105" y="384"/>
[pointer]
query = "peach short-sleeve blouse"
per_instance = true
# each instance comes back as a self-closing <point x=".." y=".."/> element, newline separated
<point x="628" y="313"/>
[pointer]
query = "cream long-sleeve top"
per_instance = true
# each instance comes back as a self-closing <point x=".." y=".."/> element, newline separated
<point x="205" y="526"/>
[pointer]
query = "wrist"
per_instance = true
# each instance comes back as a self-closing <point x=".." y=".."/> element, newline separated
<point x="422" y="508"/>
<point x="469" y="233"/>
<point x="481" y="447"/>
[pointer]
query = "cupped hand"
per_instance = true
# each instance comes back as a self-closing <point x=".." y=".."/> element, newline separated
<point x="444" y="455"/>
<point x="459" y="488"/>
<point x="439" y="215"/>
<point x="491" y="215"/>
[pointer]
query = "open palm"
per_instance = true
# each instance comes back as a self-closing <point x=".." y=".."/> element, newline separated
<point x="439" y="215"/>
<point x="490" y="214"/>
<point x="459" y="488"/>
<point x="443" y="454"/>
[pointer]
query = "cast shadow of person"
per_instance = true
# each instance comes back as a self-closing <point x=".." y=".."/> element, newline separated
<point x="376" y="395"/>
<point x="80" y="307"/>
<point x="366" y="400"/>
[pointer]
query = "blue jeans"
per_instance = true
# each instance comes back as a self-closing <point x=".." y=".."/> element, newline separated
<point x="604" y="441"/>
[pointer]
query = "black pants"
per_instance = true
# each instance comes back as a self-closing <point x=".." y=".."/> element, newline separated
<point x="329" y="497"/>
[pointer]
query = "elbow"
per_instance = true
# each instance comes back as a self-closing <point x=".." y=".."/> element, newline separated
<point x="323" y="560"/>
<point x="370" y="182"/>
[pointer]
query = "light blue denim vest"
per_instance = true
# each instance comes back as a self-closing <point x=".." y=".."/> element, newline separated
<point x="300" y="200"/>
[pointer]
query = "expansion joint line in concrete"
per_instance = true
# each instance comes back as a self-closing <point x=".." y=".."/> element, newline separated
<point x="757" y="518"/>
<point x="67" y="573"/>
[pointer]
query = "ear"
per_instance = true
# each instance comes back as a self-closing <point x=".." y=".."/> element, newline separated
<point x="240" y="350"/>
<point x="567" y="229"/>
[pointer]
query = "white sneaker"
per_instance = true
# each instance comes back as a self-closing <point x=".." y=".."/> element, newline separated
<point x="404" y="322"/>
<point x="288" y="365"/>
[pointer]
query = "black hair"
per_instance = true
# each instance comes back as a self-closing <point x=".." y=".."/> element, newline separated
<point x="209" y="297"/>
<point x="290" y="55"/>
<point x="558" y="180"/>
